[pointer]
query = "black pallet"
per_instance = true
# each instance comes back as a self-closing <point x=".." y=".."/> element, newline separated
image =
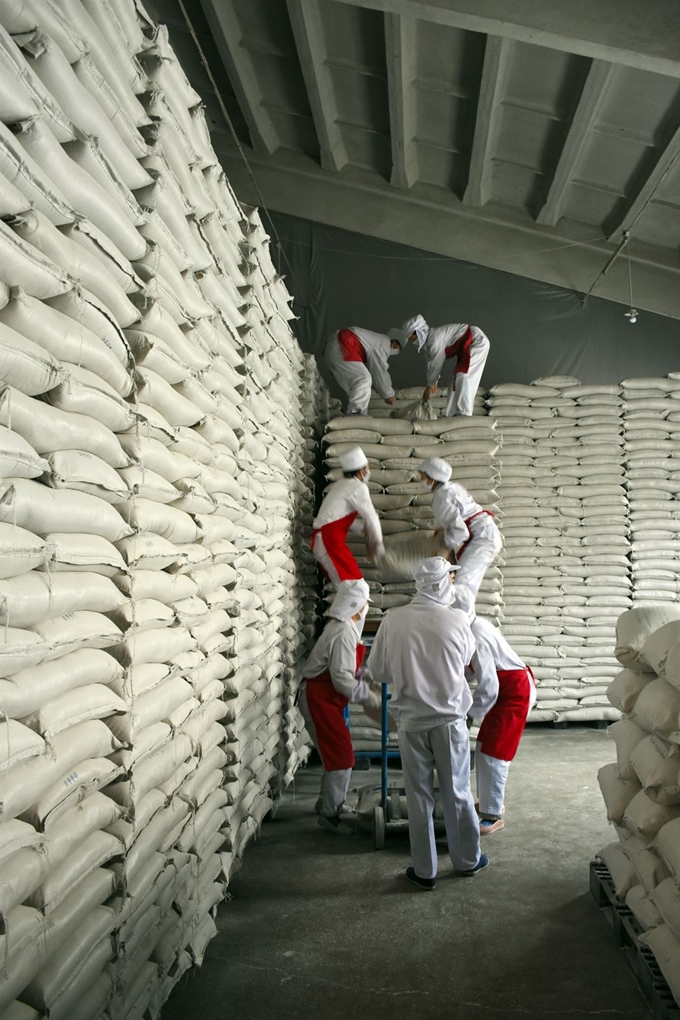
<point x="626" y="931"/>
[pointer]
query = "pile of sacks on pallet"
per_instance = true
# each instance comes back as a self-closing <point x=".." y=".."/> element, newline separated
<point x="652" y="455"/>
<point x="641" y="789"/>
<point x="395" y="448"/>
<point x="158" y="429"/>
<point x="565" y="520"/>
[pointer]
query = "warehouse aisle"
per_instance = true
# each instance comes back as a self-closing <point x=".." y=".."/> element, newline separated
<point x="320" y="926"/>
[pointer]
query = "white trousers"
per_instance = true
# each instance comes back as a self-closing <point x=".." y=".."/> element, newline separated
<point x="464" y="386"/>
<point x="492" y="775"/>
<point x="478" y="556"/>
<point x="335" y="784"/>
<point x="353" y="376"/>
<point x="447" y="749"/>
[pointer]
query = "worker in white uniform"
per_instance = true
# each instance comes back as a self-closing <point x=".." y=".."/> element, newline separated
<point x="467" y="344"/>
<point x="329" y="683"/>
<point x="505" y="694"/>
<point x="346" y="507"/>
<point x="465" y="526"/>
<point x="358" y="359"/>
<point x="421" y="651"/>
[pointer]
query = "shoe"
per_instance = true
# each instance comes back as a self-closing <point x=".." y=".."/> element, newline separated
<point x="489" y="825"/>
<point x="335" y="824"/>
<point x="318" y="806"/>
<point x="482" y="863"/>
<point x="426" y="884"/>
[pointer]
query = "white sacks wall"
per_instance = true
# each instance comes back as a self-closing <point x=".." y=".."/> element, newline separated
<point x="584" y="480"/>
<point x="158" y="429"/>
<point x="564" y="516"/>
<point x="641" y="789"/>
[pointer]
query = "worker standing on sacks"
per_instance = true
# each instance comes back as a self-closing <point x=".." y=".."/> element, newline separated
<point x="421" y="651"/>
<point x="346" y="507"/>
<point x="357" y="358"/>
<point x="329" y="683"/>
<point x="466" y="527"/>
<point x="467" y="344"/>
<point x="505" y="694"/>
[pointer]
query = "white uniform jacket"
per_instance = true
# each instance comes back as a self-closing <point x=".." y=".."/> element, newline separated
<point x="421" y="651"/>
<point x="438" y="339"/>
<point x="377" y="347"/>
<point x="350" y="496"/>
<point x="452" y="506"/>
<point x="493" y="654"/>
<point x="336" y="653"/>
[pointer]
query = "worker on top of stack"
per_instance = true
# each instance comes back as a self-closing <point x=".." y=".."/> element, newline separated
<point x="346" y="507"/>
<point x="330" y="682"/>
<point x="357" y="358"/>
<point x="464" y="525"/>
<point x="467" y="344"/>
<point x="421" y="651"/>
<point x="505" y="694"/>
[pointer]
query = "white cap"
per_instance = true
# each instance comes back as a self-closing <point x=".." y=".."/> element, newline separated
<point x="400" y="336"/>
<point x="416" y="324"/>
<point x="353" y="459"/>
<point x="351" y="597"/>
<point x="432" y="579"/>
<point x="436" y="468"/>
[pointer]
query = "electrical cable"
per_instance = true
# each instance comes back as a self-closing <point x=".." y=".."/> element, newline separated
<point x="225" y="114"/>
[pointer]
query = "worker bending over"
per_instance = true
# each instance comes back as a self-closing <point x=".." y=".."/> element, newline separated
<point x="346" y="507"/>
<point x="329" y="684"/>
<point x="357" y="358"/>
<point x="465" y="526"/>
<point x="467" y="344"/>
<point x="421" y="651"/>
<point x="505" y="695"/>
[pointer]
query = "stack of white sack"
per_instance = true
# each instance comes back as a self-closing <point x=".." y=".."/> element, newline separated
<point x="395" y="449"/>
<point x="652" y="432"/>
<point x="151" y="497"/>
<point x="406" y="399"/>
<point x="564" y="513"/>
<point x="641" y="789"/>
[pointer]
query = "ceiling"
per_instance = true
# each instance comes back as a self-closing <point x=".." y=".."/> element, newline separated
<point x="518" y="134"/>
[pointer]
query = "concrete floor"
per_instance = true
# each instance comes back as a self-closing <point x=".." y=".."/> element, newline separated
<point x="326" y="927"/>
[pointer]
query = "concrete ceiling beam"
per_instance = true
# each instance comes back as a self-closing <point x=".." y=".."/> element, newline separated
<point x="594" y="90"/>
<point x="496" y="59"/>
<point x="400" y="52"/>
<point x="618" y="31"/>
<point x="228" y="36"/>
<point x="305" y="19"/>
<point x="437" y="222"/>
<point x="661" y="168"/>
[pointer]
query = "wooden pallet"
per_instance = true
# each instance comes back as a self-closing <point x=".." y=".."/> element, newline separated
<point x="626" y="931"/>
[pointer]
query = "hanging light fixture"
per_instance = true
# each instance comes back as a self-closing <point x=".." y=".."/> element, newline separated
<point x="632" y="314"/>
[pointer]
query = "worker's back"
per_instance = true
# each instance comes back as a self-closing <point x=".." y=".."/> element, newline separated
<point x="421" y="650"/>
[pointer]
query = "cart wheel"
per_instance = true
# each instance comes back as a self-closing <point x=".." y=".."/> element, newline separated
<point x="378" y="828"/>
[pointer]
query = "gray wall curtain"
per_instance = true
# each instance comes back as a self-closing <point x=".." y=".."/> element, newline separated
<point x="342" y="279"/>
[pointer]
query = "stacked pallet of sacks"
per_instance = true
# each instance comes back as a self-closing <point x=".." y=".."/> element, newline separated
<point x="641" y="789"/>
<point x="652" y="432"/>
<point x="395" y="448"/>
<point x="157" y="467"/>
<point x="565" y="519"/>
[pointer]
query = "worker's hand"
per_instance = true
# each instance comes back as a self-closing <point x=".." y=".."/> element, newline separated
<point x="389" y="400"/>
<point x="373" y="551"/>
<point x="429" y="391"/>
<point x="438" y="531"/>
